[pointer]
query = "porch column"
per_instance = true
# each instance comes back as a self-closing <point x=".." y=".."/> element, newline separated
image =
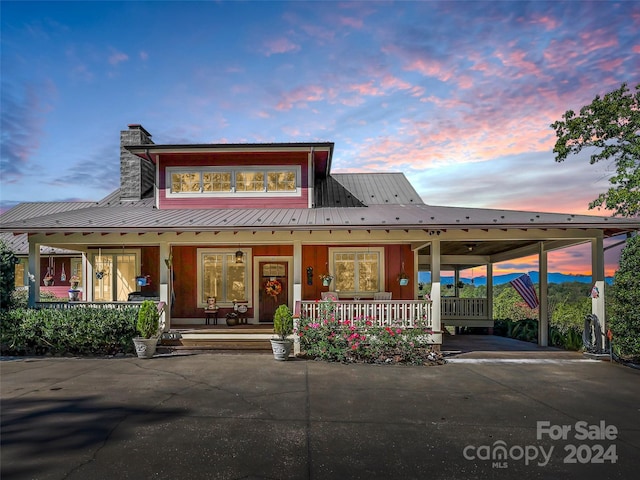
<point x="297" y="272"/>
<point x="89" y="275"/>
<point x="297" y="291"/>
<point x="490" y="291"/>
<point x="86" y="279"/>
<point x="435" y="286"/>
<point x="543" y="310"/>
<point x="598" y="294"/>
<point x="165" y="283"/>
<point x="34" y="272"/>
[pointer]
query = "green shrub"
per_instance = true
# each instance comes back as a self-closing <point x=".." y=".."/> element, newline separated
<point x="74" y="331"/>
<point x="148" y="319"/>
<point x="625" y="305"/>
<point x="20" y="298"/>
<point x="8" y="262"/>
<point x="283" y="322"/>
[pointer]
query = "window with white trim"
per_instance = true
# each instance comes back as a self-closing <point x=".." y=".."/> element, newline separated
<point x="358" y="271"/>
<point x="220" y="275"/>
<point x="233" y="181"/>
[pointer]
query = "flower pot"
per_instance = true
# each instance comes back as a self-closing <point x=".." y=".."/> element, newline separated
<point x="74" y="295"/>
<point x="281" y="349"/>
<point x="404" y="282"/>
<point x="326" y="282"/>
<point x="48" y="283"/>
<point x="232" y="319"/>
<point x="145" y="347"/>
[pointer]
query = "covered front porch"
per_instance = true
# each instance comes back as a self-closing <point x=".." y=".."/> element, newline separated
<point x="176" y="263"/>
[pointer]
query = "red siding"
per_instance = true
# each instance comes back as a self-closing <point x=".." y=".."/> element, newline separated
<point x="232" y="159"/>
<point x="150" y="265"/>
<point x="58" y="263"/>
<point x="317" y="256"/>
<point x="185" y="281"/>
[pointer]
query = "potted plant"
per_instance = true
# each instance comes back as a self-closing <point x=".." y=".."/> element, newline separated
<point x="403" y="278"/>
<point x="147" y="326"/>
<point x="282" y="328"/>
<point x="74" y="293"/>
<point x="326" y="278"/>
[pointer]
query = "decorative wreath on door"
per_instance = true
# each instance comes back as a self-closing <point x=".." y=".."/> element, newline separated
<point x="273" y="288"/>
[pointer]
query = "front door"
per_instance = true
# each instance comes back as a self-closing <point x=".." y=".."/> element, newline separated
<point x="274" y="288"/>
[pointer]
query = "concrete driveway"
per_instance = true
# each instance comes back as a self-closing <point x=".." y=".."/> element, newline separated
<point x="225" y="416"/>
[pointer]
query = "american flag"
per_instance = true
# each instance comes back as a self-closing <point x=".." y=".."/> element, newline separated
<point x="524" y="286"/>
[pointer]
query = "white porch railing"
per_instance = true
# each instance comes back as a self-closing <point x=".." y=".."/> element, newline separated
<point x="464" y="308"/>
<point x="401" y="313"/>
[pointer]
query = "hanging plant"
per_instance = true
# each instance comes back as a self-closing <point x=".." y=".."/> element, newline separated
<point x="273" y="288"/>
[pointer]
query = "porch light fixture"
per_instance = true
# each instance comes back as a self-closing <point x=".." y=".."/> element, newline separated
<point x="239" y="256"/>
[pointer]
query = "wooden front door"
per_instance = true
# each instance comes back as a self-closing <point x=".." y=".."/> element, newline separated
<point x="275" y="272"/>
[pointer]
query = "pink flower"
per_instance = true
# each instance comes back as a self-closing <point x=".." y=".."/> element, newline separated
<point x="398" y="330"/>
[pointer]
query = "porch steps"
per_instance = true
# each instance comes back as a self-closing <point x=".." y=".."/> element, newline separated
<point x="217" y="338"/>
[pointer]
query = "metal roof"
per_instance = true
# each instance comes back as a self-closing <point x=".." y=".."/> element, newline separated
<point x="19" y="244"/>
<point x="379" y="188"/>
<point x="39" y="209"/>
<point x="125" y="218"/>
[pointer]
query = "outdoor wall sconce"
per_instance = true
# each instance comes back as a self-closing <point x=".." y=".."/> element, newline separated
<point x="239" y="256"/>
<point x="309" y="275"/>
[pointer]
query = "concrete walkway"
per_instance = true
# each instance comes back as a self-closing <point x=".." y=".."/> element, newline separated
<point x="493" y="347"/>
<point x="225" y="416"/>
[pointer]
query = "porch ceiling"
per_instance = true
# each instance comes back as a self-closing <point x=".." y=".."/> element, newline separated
<point x="480" y="248"/>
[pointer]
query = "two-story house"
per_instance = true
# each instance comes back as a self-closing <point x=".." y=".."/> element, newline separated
<point x="192" y="222"/>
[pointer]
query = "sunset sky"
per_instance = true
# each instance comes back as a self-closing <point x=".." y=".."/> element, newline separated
<point x="457" y="95"/>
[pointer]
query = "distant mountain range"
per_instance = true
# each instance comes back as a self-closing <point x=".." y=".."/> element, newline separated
<point x="500" y="279"/>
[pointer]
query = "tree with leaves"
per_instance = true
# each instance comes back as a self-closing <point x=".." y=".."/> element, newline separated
<point x="625" y="307"/>
<point x="8" y="262"/>
<point x="610" y="128"/>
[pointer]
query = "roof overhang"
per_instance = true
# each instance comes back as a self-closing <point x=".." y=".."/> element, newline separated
<point x="322" y="152"/>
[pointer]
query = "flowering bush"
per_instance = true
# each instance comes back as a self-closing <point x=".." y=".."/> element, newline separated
<point x="361" y="340"/>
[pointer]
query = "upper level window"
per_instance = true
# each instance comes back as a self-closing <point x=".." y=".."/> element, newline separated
<point x="237" y="181"/>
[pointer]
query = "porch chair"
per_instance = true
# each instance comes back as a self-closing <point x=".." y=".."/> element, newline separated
<point x="382" y="296"/>
<point x="329" y="296"/>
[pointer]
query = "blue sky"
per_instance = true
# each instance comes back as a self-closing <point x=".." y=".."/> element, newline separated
<point x="457" y="95"/>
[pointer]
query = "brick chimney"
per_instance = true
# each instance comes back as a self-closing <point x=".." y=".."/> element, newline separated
<point x="137" y="175"/>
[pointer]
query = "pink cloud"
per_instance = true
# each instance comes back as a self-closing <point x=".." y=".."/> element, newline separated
<point x="280" y="45"/>
<point x="430" y="68"/>
<point x="365" y="89"/>
<point x="350" y="22"/>
<point x="301" y="96"/>
<point x="517" y="60"/>
<point x="118" y="57"/>
<point x="636" y="49"/>
<point x="389" y="82"/>
<point x="549" y="23"/>
<point x="144" y="56"/>
<point x="610" y="65"/>
<point x="597" y="40"/>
